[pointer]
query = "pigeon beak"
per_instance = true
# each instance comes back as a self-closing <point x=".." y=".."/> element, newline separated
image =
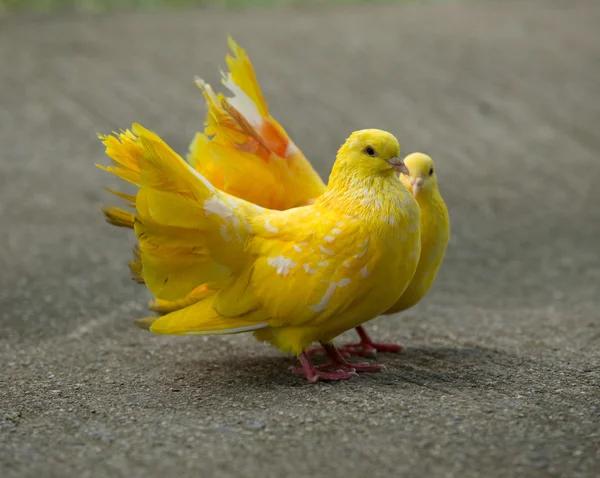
<point x="398" y="165"/>
<point x="416" y="185"/>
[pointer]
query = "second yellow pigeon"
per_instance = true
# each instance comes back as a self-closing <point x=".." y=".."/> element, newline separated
<point x="247" y="153"/>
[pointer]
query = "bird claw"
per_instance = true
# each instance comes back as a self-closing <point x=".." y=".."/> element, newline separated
<point x="319" y="373"/>
<point x="350" y="368"/>
<point x="367" y="367"/>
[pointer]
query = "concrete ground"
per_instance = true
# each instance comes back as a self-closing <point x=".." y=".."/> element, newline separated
<point x="501" y="371"/>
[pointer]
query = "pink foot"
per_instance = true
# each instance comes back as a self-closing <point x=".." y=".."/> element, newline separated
<point x="322" y="372"/>
<point x="337" y="360"/>
<point x="366" y="347"/>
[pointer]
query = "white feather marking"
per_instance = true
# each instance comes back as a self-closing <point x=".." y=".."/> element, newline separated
<point x="236" y="226"/>
<point x="365" y="247"/>
<point x="329" y="239"/>
<point x="291" y="149"/>
<point x="323" y="263"/>
<point x="344" y="282"/>
<point x="324" y="250"/>
<point x="322" y="305"/>
<point x="242" y="102"/>
<point x="283" y="264"/>
<point x="214" y="205"/>
<point x="309" y="270"/>
<point x="235" y="330"/>
<point x="230" y="202"/>
<point x="364" y="273"/>
<point x="297" y="248"/>
<point x="347" y="264"/>
<point x="225" y="233"/>
<point x="335" y="231"/>
<point x="360" y="254"/>
<point x="270" y="228"/>
<point x="339" y="223"/>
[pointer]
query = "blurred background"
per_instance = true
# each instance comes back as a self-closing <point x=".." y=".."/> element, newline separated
<point x="500" y="373"/>
<point x="139" y="5"/>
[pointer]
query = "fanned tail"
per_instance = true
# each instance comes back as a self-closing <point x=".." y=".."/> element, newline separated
<point x="244" y="150"/>
<point x="188" y="232"/>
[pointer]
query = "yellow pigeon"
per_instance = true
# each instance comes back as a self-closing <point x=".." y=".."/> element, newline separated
<point x="247" y="153"/>
<point x="291" y="277"/>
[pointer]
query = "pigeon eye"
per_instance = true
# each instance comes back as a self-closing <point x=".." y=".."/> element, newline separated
<point x="431" y="172"/>
<point x="370" y="151"/>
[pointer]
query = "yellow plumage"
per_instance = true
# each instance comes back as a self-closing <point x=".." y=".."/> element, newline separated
<point x="293" y="277"/>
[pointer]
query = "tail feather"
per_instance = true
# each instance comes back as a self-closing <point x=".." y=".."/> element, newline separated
<point x="242" y="77"/>
<point x="128" y="197"/>
<point x="219" y="122"/>
<point x="119" y="217"/>
<point x="123" y="149"/>
<point x="163" y="307"/>
<point x="189" y="233"/>
<point x="201" y="318"/>
<point x="240" y="134"/>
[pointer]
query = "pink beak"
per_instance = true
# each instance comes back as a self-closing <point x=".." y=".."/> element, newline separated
<point x="416" y="185"/>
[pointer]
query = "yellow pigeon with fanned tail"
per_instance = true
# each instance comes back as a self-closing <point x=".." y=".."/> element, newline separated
<point x="291" y="277"/>
<point x="247" y="153"/>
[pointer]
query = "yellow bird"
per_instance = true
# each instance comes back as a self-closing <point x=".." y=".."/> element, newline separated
<point x="291" y="277"/>
<point x="247" y="153"/>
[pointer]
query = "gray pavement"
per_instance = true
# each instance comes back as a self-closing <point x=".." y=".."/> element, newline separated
<point x="500" y="376"/>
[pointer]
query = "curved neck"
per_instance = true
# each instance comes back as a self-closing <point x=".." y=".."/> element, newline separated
<point x="353" y="192"/>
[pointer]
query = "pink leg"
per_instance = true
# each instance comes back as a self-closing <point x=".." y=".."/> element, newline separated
<point x="313" y="374"/>
<point x="337" y="360"/>
<point x="366" y="346"/>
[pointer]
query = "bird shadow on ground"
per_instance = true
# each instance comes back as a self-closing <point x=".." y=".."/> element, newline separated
<point x="442" y="368"/>
<point x="446" y="368"/>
